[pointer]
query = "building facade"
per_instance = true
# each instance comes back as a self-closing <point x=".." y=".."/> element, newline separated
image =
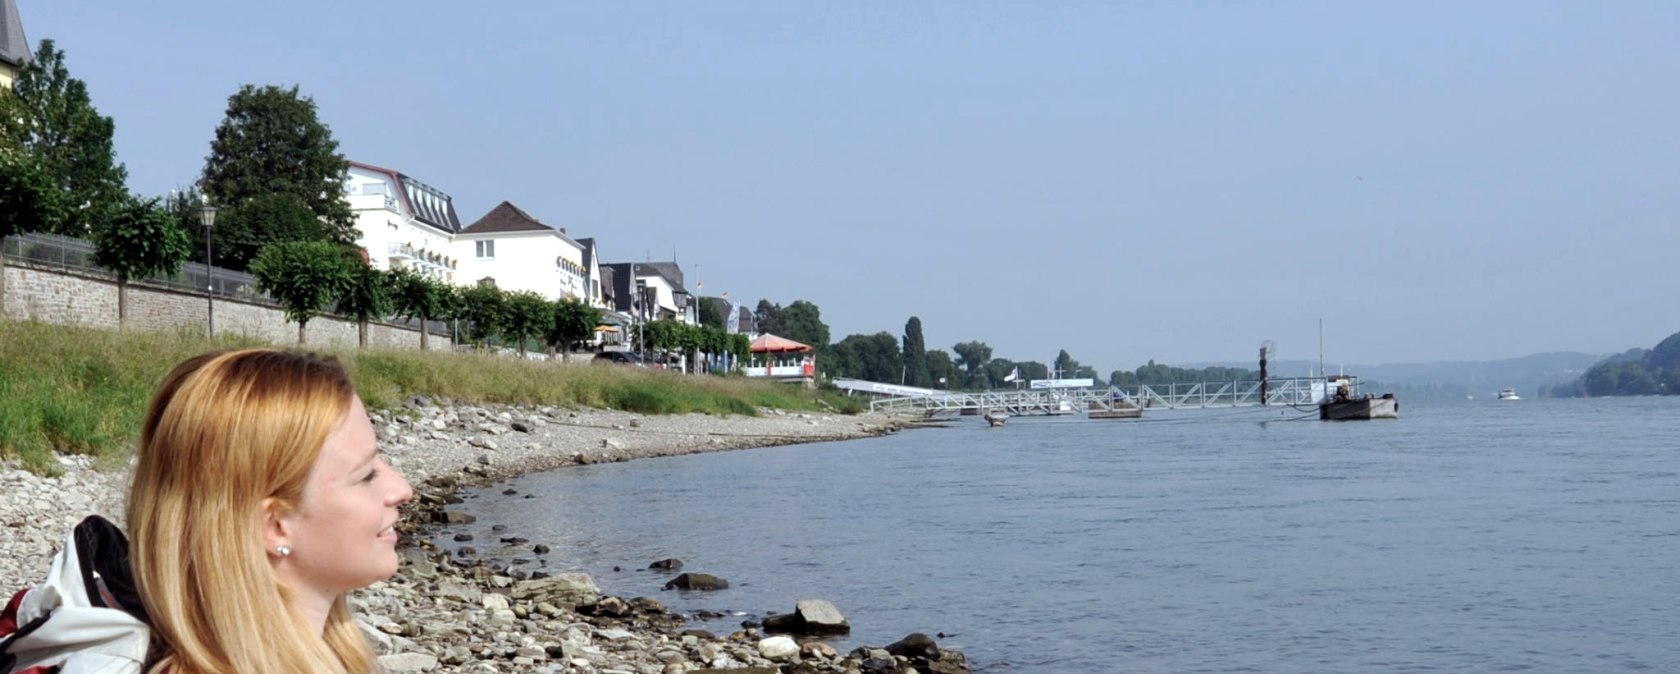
<point x="402" y="222"/>
<point x="516" y="251"/>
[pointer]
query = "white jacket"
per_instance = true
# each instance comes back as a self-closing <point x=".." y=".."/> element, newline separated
<point x="84" y="632"/>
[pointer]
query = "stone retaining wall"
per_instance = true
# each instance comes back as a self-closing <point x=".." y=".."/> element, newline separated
<point x="66" y="298"/>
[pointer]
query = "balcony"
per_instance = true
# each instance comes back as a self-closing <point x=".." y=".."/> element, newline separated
<point x="420" y="257"/>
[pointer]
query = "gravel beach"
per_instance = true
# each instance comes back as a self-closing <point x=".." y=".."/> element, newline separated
<point x="445" y="615"/>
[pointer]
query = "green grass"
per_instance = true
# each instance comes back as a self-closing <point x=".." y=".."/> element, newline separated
<point x="69" y="390"/>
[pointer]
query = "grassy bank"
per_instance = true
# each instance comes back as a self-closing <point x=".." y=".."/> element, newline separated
<point x="83" y="391"/>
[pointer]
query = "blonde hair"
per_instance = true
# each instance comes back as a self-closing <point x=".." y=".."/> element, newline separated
<point x="225" y="431"/>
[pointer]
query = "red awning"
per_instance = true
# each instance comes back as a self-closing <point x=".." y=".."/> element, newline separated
<point x="773" y="344"/>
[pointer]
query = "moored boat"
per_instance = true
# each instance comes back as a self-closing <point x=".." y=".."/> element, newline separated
<point x="1346" y="403"/>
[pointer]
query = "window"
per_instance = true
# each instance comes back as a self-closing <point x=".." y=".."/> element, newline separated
<point x="487" y="250"/>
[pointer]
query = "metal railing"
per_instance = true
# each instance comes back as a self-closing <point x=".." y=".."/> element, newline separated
<point x="1283" y="392"/>
<point x="72" y="255"/>
<point x="64" y="253"/>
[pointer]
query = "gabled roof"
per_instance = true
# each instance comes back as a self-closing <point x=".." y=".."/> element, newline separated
<point x="425" y="203"/>
<point x="588" y="249"/>
<point x="508" y="218"/>
<point x="14" y="47"/>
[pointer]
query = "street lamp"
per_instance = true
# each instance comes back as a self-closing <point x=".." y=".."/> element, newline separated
<point x="207" y="217"/>
<point x="641" y="318"/>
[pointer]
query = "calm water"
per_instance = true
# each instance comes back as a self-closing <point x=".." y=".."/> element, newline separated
<point x="1491" y="536"/>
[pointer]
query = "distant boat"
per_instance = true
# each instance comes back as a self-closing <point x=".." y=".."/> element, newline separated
<point x="1508" y="394"/>
<point x="1345" y="403"/>
<point x="995" y="418"/>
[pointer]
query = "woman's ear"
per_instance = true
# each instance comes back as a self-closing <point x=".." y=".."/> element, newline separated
<point x="276" y="528"/>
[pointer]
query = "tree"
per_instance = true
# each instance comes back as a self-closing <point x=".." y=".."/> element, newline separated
<point x="915" y="354"/>
<point x="768" y="318"/>
<point x="527" y="315"/>
<point x="271" y="142"/>
<point x="417" y="296"/>
<point x="303" y="276"/>
<point x="366" y="297"/>
<point x="482" y="307"/>
<point x="28" y="199"/>
<point x="711" y="311"/>
<point x="869" y="357"/>
<point x="244" y="229"/>
<point x="573" y="322"/>
<point x="972" y="356"/>
<point x="51" y="119"/>
<point x="140" y="239"/>
<point x="802" y="322"/>
<point x="942" y="371"/>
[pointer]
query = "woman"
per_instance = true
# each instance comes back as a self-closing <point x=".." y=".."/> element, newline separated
<point x="259" y="499"/>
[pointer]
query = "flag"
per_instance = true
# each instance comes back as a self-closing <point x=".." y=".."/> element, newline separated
<point x="731" y="316"/>
<point x="1014" y="374"/>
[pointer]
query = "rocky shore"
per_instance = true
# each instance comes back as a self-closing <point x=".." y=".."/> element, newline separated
<point x="443" y="614"/>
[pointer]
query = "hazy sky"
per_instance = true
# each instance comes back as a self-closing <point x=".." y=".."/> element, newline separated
<point x="1176" y="181"/>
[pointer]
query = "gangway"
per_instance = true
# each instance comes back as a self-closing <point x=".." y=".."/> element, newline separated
<point x="1297" y="391"/>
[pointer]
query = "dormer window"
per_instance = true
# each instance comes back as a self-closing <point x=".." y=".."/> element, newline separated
<point x="487" y="250"/>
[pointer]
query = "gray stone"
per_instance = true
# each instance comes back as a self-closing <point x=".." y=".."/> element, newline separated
<point x="408" y="662"/>
<point x="821" y="617"/>
<point x="778" y="648"/>
<point x="568" y="590"/>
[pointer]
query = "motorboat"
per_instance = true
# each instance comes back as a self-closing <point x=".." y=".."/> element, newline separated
<point x="1346" y="403"/>
<point x="1508" y="394"/>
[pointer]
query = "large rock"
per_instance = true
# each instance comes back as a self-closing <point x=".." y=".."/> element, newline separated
<point x="810" y="617"/>
<point x="778" y="648"/>
<point x="916" y="645"/>
<point x="697" y="581"/>
<point x="671" y="564"/>
<point x="569" y="590"/>
<point x="821" y="617"/>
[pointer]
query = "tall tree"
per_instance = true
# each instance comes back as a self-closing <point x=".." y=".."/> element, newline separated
<point x="51" y="118"/>
<point x="245" y="228"/>
<point x="418" y="297"/>
<point x="367" y="296"/>
<point x="972" y="356"/>
<point x="272" y="142"/>
<point x="942" y="371"/>
<point x="141" y="238"/>
<point x="915" y="354"/>
<point x="803" y="322"/>
<point x="303" y="276"/>
<point x="869" y="357"/>
<point x="711" y="311"/>
<point x="768" y="317"/>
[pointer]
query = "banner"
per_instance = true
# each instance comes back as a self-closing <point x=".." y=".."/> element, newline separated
<point x="1063" y="383"/>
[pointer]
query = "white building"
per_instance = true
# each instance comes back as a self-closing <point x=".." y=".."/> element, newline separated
<point x="652" y="291"/>
<point x="519" y="252"/>
<point x="402" y="222"/>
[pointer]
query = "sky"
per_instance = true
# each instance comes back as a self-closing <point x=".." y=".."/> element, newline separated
<point x="1128" y="181"/>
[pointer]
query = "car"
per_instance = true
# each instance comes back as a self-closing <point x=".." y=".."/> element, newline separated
<point x="620" y="358"/>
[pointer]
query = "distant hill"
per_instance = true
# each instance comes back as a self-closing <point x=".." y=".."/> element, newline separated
<point x="1451" y="379"/>
<point x="1636" y="372"/>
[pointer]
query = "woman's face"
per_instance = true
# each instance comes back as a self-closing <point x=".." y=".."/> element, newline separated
<point x="342" y="533"/>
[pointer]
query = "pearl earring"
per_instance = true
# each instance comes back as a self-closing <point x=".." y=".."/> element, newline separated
<point x="284" y="551"/>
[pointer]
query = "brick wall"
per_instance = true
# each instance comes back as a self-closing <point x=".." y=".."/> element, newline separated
<point x="53" y="296"/>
